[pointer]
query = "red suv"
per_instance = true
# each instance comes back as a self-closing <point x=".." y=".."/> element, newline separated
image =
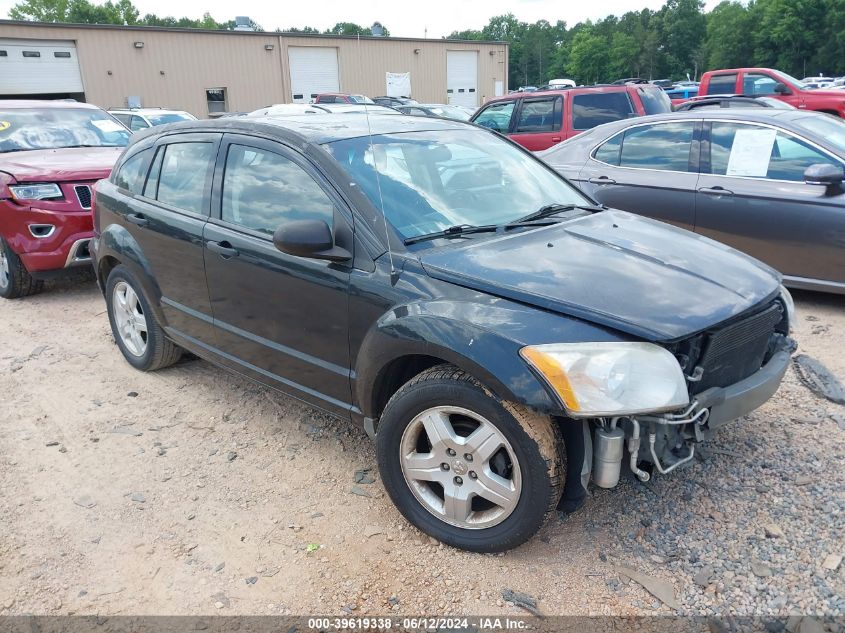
<point x="538" y="120"/>
<point x="51" y="154"/>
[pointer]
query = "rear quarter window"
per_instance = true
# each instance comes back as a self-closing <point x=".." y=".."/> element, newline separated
<point x="132" y="173"/>
<point x="592" y="109"/>
<point x="722" y="84"/>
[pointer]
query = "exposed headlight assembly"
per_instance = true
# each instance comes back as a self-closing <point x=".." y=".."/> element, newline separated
<point x="610" y="379"/>
<point x="35" y="192"/>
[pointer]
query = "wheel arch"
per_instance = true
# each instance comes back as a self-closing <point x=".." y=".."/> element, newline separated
<point x="394" y="352"/>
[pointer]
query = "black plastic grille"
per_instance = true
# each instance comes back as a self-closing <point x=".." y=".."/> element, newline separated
<point x="83" y="194"/>
<point x="736" y="351"/>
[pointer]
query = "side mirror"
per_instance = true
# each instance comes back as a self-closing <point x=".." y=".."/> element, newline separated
<point x="309" y="238"/>
<point x="824" y="174"/>
<point x="782" y="89"/>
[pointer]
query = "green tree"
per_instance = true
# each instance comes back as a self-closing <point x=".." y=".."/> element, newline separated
<point x="684" y="31"/>
<point x="467" y="34"/>
<point x="789" y="34"/>
<point x="729" y="42"/>
<point x="588" y="57"/>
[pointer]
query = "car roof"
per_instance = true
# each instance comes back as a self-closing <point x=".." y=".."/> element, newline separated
<point x="321" y="129"/>
<point x="147" y="111"/>
<point x="27" y="104"/>
<point x="578" y="89"/>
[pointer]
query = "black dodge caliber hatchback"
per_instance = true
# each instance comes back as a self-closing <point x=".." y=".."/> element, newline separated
<point x="480" y="316"/>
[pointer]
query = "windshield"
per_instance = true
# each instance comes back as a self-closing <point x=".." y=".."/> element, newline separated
<point x="430" y="181"/>
<point x="170" y="117"/>
<point x="52" y="128"/>
<point x="360" y="99"/>
<point x="830" y="128"/>
<point x="795" y="82"/>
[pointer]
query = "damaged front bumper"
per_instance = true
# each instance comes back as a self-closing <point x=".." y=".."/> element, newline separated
<point x="670" y="438"/>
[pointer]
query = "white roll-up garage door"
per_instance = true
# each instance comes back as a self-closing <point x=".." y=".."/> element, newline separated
<point x="39" y="67"/>
<point x="313" y="69"/>
<point x="462" y="78"/>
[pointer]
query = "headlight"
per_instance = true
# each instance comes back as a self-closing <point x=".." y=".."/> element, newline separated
<point x="789" y="304"/>
<point x="35" y="192"/>
<point x="606" y="379"/>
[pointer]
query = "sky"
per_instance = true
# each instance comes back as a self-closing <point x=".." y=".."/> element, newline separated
<point x="429" y="18"/>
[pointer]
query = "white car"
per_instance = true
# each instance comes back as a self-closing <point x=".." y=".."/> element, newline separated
<point x="137" y="119"/>
<point x="818" y="82"/>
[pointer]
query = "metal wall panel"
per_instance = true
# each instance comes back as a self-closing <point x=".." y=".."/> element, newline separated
<point x="174" y="67"/>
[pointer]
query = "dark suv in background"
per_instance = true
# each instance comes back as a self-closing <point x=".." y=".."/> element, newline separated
<point x="448" y="291"/>
<point x="538" y="120"/>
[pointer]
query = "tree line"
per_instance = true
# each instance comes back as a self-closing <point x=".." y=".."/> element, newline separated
<point x="123" y="12"/>
<point x="800" y="37"/>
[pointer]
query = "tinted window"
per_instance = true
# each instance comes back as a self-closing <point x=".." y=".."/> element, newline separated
<point x="592" y="109"/>
<point x="655" y="100"/>
<point x="132" y="173"/>
<point x="608" y="152"/>
<point x="123" y="118"/>
<point x="539" y="115"/>
<point x="760" y="152"/>
<point x="184" y="172"/>
<point x="137" y="123"/>
<point x="664" y="146"/>
<point x="262" y="189"/>
<point x="722" y="84"/>
<point x="496" y="116"/>
<point x="758" y="84"/>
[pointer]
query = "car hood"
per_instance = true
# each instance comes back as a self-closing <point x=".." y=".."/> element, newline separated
<point x="636" y="275"/>
<point x="60" y="165"/>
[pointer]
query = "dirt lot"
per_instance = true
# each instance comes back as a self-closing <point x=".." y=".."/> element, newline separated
<point x="190" y="491"/>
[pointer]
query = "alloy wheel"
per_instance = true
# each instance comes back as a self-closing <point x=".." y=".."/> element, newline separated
<point x="460" y="467"/>
<point x="4" y="267"/>
<point x="129" y="318"/>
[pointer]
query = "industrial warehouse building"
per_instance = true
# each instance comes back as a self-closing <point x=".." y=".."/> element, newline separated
<point x="207" y="72"/>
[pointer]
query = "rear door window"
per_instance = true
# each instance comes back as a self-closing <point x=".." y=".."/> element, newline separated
<point x="540" y="115"/>
<point x="592" y="109"/>
<point x="655" y="100"/>
<point x="662" y="146"/>
<point x="180" y="175"/>
<point x="496" y="116"/>
<point x="722" y="84"/>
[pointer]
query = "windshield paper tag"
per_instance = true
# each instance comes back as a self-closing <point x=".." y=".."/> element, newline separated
<point x="751" y="152"/>
<point x="4" y="125"/>
<point x="108" y="126"/>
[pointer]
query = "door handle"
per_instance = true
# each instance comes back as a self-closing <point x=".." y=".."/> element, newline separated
<point x="716" y="191"/>
<point x="224" y="249"/>
<point x="137" y="218"/>
<point x="601" y="180"/>
<point x="556" y="139"/>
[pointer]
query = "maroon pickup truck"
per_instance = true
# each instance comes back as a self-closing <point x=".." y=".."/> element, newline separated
<point x="773" y="83"/>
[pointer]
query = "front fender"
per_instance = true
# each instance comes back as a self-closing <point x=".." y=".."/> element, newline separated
<point x="453" y="332"/>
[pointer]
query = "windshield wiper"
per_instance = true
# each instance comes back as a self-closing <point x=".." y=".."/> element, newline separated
<point x="468" y="229"/>
<point x="553" y="209"/>
<point x="453" y="231"/>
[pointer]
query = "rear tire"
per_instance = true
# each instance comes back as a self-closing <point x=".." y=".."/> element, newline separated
<point x="15" y="280"/>
<point x="469" y="470"/>
<point x="136" y="331"/>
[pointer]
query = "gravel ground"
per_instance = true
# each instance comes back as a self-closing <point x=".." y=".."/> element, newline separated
<point x="190" y="491"/>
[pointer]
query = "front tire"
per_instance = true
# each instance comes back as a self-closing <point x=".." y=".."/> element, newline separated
<point x="136" y="331"/>
<point x="465" y="468"/>
<point x="15" y="280"/>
